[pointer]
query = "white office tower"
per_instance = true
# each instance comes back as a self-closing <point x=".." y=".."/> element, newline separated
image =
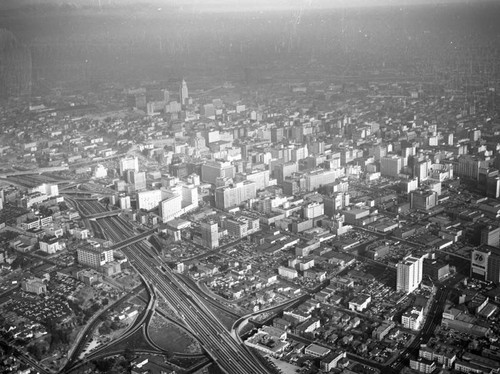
<point x="184" y="92"/>
<point x="409" y="274"/>
<point x="125" y="202"/>
<point x="189" y="195"/>
<point x="129" y="163"/>
<point x="170" y="208"/>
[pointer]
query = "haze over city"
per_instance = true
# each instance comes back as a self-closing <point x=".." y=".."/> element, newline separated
<point x="245" y="187"/>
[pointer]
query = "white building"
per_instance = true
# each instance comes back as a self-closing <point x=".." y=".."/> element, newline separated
<point x="409" y="274"/>
<point x="94" y="257"/>
<point x="148" y="200"/>
<point x="314" y="210"/>
<point x="125" y="202"/>
<point x="360" y="302"/>
<point x="287" y="272"/>
<point x="100" y="172"/>
<point x="413" y="318"/>
<point x="51" y="245"/>
<point x="171" y="208"/>
<point x="189" y="194"/>
<point x="129" y="163"/>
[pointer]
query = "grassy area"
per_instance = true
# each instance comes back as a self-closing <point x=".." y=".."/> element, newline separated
<point x="134" y="342"/>
<point x="171" y="338"/>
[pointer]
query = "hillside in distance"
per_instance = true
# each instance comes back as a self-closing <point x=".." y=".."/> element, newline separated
<point x="69" y="43"/>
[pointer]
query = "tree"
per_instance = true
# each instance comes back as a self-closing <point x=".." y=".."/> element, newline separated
<point x="128" y="354"/>
<point x="104" y="365"/>
<point x="35" y="351"/>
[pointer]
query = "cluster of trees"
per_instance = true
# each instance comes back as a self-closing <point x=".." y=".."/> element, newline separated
<point x="109" y="326"/>
<point x="58" y="336"/>
<point x="118" y="365"/>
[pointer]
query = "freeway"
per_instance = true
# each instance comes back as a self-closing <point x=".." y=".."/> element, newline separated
<point x="215" y="339"/>
<point x="230" y="356"/>
<point x="432" y="321"/>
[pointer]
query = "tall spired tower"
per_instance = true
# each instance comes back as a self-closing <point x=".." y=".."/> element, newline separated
<point x="183" y="92"/>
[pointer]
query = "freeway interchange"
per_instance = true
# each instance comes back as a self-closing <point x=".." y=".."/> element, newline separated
<point x="229" y="354"/>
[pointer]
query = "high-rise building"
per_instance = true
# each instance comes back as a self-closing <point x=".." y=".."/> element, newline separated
<point x="210" y="234"/>
<point x="234" y="195"/>
<point x="166" y="96"/>
<point x="129" y="163"/>
<point x="242" y="226"/>
<point x="423" y="199"/>
<point x="422" y="170"/>
<point x="208" y="110"/>
<point x="299" y="153"/>
<point x="277" y="134"/>
<point x="260" y="177"/>
<point x="94" y="256"/>
<point x="377" y="151"/>
<point x="485" y="263"/>
<point x="124" y="202"/>
<point x="170" y="208"/>
<point x="189" y="194"/>
<point x="282" y="171"/>
<point x="493" y="187"/>
<point x="148" y="200"/>
<point x="137" y="179"/>
<point x="335" y="203"/>
<point x="390" y="166"/>
<point x="409" y="274"/>
<point x="313" y="210"/>
<point x="183" y="94"/>
<point x="468" y="167"/>
<point x="321" y="177"/>
<point x="409" y="185"/>
<point x="215" y="169"/>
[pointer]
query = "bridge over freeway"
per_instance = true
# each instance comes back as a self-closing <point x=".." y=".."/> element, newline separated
<point x="102" y="214"/>
<point x="133" y="240"/>
<point x="34" y="171"/>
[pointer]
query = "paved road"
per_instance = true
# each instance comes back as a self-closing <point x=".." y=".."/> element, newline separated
<point x="215" y="339"/>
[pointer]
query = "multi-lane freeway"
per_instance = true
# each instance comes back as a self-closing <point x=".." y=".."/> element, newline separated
<point x="229" y="354"/>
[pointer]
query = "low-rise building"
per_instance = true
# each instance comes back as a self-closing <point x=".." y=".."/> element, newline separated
<point x="360" y="302"/>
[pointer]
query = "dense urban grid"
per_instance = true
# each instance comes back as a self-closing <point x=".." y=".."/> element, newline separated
<point x="337" y="212"/>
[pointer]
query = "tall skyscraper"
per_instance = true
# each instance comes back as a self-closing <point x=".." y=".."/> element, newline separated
<point x="170" y="208"/>
<point x="183" y="95"/>
<point x="210" y="234"/>
<point x="409" y="274"/>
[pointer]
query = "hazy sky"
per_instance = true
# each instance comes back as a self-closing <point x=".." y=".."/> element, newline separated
<point x="241" y="5"/>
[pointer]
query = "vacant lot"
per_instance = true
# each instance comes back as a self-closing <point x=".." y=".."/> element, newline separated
<point x="171" y="338"/>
